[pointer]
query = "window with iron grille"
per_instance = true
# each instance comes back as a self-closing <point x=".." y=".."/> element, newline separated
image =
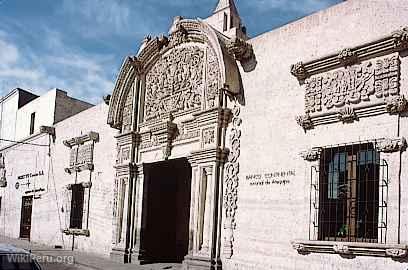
<point x="350" y="194"/>
<point x="77" y="206"/>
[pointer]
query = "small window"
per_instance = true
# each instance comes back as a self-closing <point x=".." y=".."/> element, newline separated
<point x="231" y="22"/>
<point x="349" y="194"/>
<point x="77" y="206"/>
<point x="32" y="123"/>
<point x="225" y="25"/>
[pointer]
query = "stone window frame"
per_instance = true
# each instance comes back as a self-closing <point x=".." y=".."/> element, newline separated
<point x="390" y="150"/>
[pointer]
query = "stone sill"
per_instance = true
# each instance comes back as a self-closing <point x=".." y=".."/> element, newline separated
<point x="351" y="249"/>
<point x="80" y="168"/>
<point x="78" y="232"/>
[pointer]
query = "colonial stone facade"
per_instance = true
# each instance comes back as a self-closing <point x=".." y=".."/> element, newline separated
<point x="283" y="151"/>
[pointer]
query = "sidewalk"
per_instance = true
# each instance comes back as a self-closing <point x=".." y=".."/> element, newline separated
<point x="82" y="259"/>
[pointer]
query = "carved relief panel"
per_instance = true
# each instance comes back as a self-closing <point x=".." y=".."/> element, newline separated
<point x="375" y="79"/>
<point x="178" y="80"/>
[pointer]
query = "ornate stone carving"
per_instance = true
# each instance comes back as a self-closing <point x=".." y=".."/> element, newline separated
<point x="232" y="182"/>
<point x="347" y="57"/>
<point x="305" y="121"/>
<point x="299" y="71"/>
<point x="353" y="85"/>
<point x="127" y="114"/>
<point x="240" y="49"/>
<point x="208" y="137"/>
<point x="311" y="154"/>
<point x="347" y="115"/>
<point x="341" y="248"/>
<point x="397" y="104"/>
<point x="389" y="145"/>
<point x="175" y="83"/>
<point x="213" y="78"/>
<point x="396" y="252"/>
<point x="137" y="65"/>
<point x="298" y="247"/>
<point x="178" y="36"/>
<point x="107" y="99"/>
<point x="401" y="39"/>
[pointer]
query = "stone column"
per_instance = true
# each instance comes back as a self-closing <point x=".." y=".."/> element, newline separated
<point x="312" y="156"/>
<point x="123" y="196"/>
<point x="204" y="207"/>
<point x="137" y="253"/>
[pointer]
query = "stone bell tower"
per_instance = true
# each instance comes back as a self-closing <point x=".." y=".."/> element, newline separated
<point x="225" y="19"/>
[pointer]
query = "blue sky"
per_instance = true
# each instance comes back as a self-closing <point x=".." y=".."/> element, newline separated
<point x="79" y="45"/>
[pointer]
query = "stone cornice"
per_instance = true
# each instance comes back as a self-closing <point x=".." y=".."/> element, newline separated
<point x="395" y="42"/>
<point x="395" y="251"/>
<point x="91" y="136"/>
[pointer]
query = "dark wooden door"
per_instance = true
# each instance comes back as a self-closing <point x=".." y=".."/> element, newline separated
<point x="26" y="211"/>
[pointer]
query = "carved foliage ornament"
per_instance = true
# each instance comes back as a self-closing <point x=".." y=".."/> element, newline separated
<point x="347" y="115"/>
<point x="401" y="39"/>
<point x="305" y="121"/>
<point x="232" y="181"/>
<point x="177" y="82"/>
<point x="396" y="252"/>
<point x="347" y="57"/>
<point x="389" y="145"/>
<point x="311" y="154"/>
<point x="299" y="71"/>
<point x="353" y="85"/>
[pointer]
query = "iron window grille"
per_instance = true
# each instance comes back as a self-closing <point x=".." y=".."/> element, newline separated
<point x="349" y="194"/>
<point x="77" y="206"/>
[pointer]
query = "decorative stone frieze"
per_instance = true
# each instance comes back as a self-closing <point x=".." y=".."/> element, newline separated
<point x="347" y="115"/>
<point x="299" y="71"/>
<point x="389" y="145"/>
<point x="232" y="182"/>
<point x="401" y="39"/>
<point x="396" y="252"/>
<point x="240" y="49"/>
<point x="305" y="121"/>
<point x="311" y="154"/>
<point x="397" y="104"/>
<point x="347" y="57"/>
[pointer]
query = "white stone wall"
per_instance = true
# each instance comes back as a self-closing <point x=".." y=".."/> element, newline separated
<point x="49" y="212"/>
<point x="270" y="217"/>
<point x="8" y="115"/>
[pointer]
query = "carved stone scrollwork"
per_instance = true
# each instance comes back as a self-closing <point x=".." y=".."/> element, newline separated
<point x="396" y="105"/>
<point x="347" y="57"/>
<point x="305" y="121"/>
<point x="347" y="115"/>
<point x="298" y="247"/>
<point x="299" y="71"/>
<point x="341" y="249"/>
<point x="396" y="252"/>
<point x="401" y="39"/>
<point x="240" y="49"/>
<point x="311" y="154"/>
<point x="389" y="145"/>
<point x="232" y="182"/>
<point x="178" y="36"/>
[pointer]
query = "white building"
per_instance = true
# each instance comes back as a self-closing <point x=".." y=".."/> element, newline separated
<point x="283" y="151"/>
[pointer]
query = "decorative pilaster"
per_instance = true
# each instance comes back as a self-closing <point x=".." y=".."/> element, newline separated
<point x="232" y="182"/>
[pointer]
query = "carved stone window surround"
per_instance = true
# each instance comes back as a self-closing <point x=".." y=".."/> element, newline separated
<point x="395" y="251"/>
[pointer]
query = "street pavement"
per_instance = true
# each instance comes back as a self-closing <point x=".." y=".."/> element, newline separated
<point x="59" y="259"/>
